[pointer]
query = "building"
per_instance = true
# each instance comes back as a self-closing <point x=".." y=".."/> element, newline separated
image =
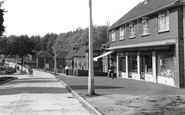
<point x="148" y="42"/>
<point x="44" y="60"/>
<point x="100" y="64"/>
<point x="60" y="61"/>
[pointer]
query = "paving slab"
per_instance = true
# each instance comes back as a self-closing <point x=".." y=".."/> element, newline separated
<point x="42" y="94"/>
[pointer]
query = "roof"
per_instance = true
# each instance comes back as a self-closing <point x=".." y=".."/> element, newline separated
<point x="62" y="54"/>
<point x="69" y="55"/>
<point x="97" y="45"/>
<point x="143" y="9"/>
<point x="39" y="53"/>
<point x="44" y="54"/>
<point x="81" y="52"/>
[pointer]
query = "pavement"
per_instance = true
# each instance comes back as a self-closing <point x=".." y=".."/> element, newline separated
<point x="120" y="96"/>
<point x="107" y="86"/>
<point x="42" y="94"/>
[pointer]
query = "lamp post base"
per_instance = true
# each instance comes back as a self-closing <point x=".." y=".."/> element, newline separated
<point x="91" y="90"/>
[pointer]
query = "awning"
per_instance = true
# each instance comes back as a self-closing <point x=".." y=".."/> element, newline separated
<point x="105" y="54"/>
<point x="145" y="44"/>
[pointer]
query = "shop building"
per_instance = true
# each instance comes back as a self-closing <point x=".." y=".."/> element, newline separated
<point x="148" y="42"/>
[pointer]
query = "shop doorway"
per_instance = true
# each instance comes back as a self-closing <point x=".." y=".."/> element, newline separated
<point x="146" y="65"/>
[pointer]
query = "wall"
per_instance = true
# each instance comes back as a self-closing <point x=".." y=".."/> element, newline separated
<point x="153" y="26"/>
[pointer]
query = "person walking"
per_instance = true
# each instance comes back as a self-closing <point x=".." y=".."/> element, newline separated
<point x="66" y="70"/>
<point x="112" y="70"/>
<point x="28" y="72"/>
<point x="31" y="72"/>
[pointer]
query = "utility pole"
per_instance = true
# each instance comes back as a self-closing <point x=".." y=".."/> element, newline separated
<point x="91" y="89"/>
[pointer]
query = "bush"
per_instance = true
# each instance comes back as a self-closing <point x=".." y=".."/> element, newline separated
<point x="1" y="63"/>
<point x="10" y="70"/>
<point x="7" y="70"/>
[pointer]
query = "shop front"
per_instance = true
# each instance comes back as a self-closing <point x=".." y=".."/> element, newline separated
<point x="152" y="65"/>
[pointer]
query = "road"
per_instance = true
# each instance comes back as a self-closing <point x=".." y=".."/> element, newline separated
<point x="38" y="95"/>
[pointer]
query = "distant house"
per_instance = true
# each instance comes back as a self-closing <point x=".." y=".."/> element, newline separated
<point x="69" y="60"/>
<point x="60" y="59"/>
<point x="80" y="59"/>
<point x="45" y="60"/>
<point x="40" y="59"/>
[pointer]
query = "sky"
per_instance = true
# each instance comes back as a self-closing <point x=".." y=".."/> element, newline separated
<point x="39" y="17"/>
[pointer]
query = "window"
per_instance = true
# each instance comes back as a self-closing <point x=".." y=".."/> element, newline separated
<point x="165" y="65"/>
<point x="113" y="36"/>
<point x="131" y="30"/>
<point x="132" y="60"/>
<point x="121" y="33"/>
<point x="163" y="21"/>
<point x="122" y="64"/>
<point x="145" y="23"/>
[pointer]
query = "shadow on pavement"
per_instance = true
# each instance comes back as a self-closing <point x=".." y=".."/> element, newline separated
<point x="32" y="90"/>
<point x="34" y="80"/>
<point x="81" y="87"/>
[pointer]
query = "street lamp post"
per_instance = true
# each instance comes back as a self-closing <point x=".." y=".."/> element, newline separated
<point x="91" y="89"/>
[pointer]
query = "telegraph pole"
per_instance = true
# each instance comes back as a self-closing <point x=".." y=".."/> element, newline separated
<point x="91" y="89"/>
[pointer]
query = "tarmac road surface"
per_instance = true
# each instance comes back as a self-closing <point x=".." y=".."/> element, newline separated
<point x="38" y="95"/>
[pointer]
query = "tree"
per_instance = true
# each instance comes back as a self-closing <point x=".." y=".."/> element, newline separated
<point x="36" y="40"/>
<point x="60" y="44"/>
<point x="20" y="46"/>
<point x="2" y="28"/>
<point x="50" y="42"/>
<point x="4" y="46"/>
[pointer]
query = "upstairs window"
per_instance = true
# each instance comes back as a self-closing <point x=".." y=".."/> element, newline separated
<point x="163" y="21"/>
<point x="131" y="30"/>
<point x="121" y="33"/>
<point x="113" y="36"/>
<point x="145" y="23"/>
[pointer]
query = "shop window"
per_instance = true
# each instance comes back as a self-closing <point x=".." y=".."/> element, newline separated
<point x="132" y="60"/>
<point x="122" y="64"/>
<point x="96" y="63"/>
<point x="165" y="65"/>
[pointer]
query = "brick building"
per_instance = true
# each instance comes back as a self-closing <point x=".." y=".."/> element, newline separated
<point x="148" y="42"/>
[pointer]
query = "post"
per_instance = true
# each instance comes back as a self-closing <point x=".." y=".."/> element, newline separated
<point x="138" y="66"/>
<point x="154" y="66"/>
<point x="55" y="62"/>
<point x="117" y="64"/>
<point x="44" y="63"/>
<point x="91" y="89"/>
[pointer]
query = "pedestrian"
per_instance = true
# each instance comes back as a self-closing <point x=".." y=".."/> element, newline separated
<point x="28" y="72"/>
<point x="31" y="72"/>
<point x="66" y="70"/>
<point x="111" y="72"/>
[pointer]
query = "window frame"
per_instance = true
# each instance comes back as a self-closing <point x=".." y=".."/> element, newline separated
<point x="132" y="33"/>
<point x="163" y="21"/>
<point x="113" y="36"/>
<point x="122" y="33"/>
<point x="145" y="24"/>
